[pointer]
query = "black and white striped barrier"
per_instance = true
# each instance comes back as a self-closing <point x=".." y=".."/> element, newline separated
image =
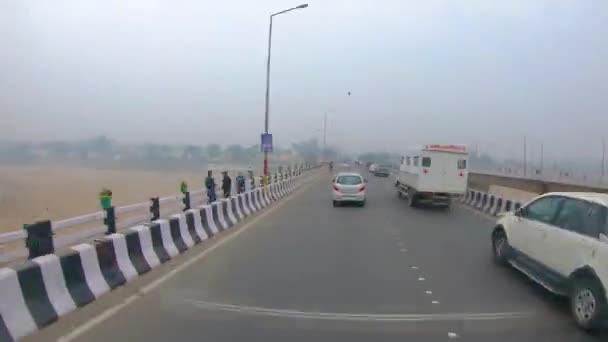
<point x="489" y="203"/>
<point x="271" y="192"/>
<point x="45" y="288"/>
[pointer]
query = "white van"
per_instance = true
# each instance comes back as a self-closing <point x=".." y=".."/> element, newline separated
<point x="433" y="174"/>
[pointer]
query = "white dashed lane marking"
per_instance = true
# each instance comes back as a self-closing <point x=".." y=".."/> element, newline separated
<point x="420" y="279"/>
<point x="428" y="292"/>
<point x="414" y="267"/>
<point x="452" y="335"/>
<point x="403" y="250"/>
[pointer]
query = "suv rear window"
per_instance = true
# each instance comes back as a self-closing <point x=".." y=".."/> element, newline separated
<point x="426" y="161"/>
<point x="349" y="180"/>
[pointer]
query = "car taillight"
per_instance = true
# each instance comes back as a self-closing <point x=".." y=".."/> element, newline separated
<point x="425" y="170"/>
<point x="461" y="174"/>
<point x="362" y="188"/>
<point x="336" y="188"/>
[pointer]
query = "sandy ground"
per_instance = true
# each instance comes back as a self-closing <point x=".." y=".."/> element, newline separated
<point x="31" y="193"/>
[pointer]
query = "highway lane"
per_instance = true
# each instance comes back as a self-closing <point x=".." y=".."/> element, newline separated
<point x="308" y="271"/>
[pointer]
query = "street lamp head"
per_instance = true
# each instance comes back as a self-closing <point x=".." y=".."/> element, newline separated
<point x="302" y="6"/>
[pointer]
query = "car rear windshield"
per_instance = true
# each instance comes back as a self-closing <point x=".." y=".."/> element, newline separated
<point x="349" y="180"/>
<point x="426" y="161"/>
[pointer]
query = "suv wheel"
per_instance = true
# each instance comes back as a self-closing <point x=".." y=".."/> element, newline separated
<point x="587" y="303"/>
<point x="500" y="247"/>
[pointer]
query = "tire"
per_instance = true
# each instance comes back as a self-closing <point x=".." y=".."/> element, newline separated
<point x="335" y="203"/>
<point x="411" y="199"/>
<point x="399" y="195"/>
<point x="500" y="247"/>
<point x="587" y="303"/>
<point x="362" y="204"/>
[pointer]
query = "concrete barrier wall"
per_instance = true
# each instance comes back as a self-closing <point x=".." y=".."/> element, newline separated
<point x="482" y="182"/>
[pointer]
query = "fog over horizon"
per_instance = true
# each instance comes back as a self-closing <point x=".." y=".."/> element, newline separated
<point x="481" y="73"/>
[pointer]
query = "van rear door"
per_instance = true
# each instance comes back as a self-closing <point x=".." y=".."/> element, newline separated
<point x="442" y="174"/>
<point x="454" y="172"/>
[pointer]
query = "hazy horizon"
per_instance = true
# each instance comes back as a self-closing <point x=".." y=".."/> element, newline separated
<point x="479" y="73"/>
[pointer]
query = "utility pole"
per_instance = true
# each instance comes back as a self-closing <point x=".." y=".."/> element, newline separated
<point x="541" y="158"/>
<point x="324" y="134"/>
<point x="603" y="160"/>
<point x="525" y="157"/>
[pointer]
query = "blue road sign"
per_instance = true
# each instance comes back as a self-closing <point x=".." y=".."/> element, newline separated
<point x="266" y="144"/>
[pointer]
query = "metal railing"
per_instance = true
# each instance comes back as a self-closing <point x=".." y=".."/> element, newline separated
<point x="77" y="229"/>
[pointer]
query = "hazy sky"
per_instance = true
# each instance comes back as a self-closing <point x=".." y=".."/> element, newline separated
<point x="480" y="72"/>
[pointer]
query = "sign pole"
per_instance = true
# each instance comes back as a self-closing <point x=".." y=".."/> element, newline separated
<point x="266" y="146"/>
<point x="265" y="169"/>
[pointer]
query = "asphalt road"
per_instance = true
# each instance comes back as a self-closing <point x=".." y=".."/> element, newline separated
<point x="309" y="272"/>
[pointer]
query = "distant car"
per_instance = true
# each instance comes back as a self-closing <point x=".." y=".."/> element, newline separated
<point x="382" y="171"/>
<point x="560" y="240"/>
<point x="373" y="167"/>
<point x="348" y="187"/>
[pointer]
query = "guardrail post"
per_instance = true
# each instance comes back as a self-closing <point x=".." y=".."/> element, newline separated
<point x="39" y="240"/>
<point x="186" y="200"/>
<point x="110" y="220"/>
<point x="155" y="208"/>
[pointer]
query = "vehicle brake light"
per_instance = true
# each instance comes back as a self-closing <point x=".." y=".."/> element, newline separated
<point x="425" y="170"/>
<point x="461" y="174"/>
<point x="362" y="188"/>
<point x="336" y="188"/>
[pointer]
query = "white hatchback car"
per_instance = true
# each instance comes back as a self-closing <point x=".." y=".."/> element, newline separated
<point x="560" y="240"/>
<point x="348" y="187"/>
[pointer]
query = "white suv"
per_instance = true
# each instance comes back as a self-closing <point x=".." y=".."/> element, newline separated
<point x="560" y="240"/>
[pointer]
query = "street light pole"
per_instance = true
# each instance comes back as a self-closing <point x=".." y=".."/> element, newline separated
<point x="268" y="77"/>
<point x="324" y="136"/>
<point x="268" y="84"/>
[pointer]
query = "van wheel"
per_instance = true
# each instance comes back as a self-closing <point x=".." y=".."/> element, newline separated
<point x="587" y="303"/>
<point x="399" y="195"/>
<point x="411" y="199"/>
<point x="335" y="203"/>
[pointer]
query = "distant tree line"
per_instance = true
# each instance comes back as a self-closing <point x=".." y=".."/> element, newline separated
<point x="102" y="149"/>
<point x="379" y="158"/>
